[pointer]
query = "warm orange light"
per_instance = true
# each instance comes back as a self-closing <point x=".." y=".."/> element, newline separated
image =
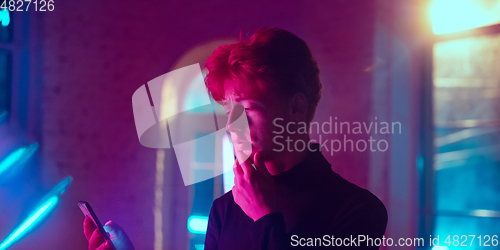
<point x="456" y="15"/>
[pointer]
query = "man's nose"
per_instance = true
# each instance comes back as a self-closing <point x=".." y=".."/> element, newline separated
<point x="235" y="113"/>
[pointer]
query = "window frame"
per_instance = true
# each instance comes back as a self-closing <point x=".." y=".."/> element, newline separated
<point x="427" y="149"/>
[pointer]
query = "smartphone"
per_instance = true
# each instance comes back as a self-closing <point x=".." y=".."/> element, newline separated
<point x="88" y="212"/>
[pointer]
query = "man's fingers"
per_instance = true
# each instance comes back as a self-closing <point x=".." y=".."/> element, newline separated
<point x="88" y="228"/>
<point x="96" y="240"/>
<point x="112" y="229"/>
<point x="236" y="180"/>
<point x="238" y="171"/>
<point x="247" y="166"/>
<point x="105" y="246"/>
<point x="118" y="236"/>
<point x="260" y="165"/>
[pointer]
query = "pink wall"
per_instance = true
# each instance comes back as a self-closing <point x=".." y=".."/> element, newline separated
<point x="95" y="54"/>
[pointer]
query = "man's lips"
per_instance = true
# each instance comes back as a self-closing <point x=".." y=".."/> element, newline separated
<point x="240" y="141"/>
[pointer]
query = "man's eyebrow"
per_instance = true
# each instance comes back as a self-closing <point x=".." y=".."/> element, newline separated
<point x="239" y="100"/>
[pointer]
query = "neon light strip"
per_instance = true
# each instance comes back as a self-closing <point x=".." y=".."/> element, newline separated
<point x="197" y="224"/>
<point x="30" y="223"/>
<point x="11" y="159"/>
<point x="5" y="18"/>
<point x="227" y="163"/>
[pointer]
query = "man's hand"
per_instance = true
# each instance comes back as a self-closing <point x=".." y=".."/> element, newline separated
<point x="98" y="242"/>
<point x="254" y="189"/>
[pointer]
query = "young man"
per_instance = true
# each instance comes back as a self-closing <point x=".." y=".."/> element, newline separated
<point x="290" y="199"/>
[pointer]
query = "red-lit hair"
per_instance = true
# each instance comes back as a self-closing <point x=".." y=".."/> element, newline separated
<point x="271" y="60"/>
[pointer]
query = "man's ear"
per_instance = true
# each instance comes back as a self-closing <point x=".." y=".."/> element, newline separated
<point x="299" y="106"/>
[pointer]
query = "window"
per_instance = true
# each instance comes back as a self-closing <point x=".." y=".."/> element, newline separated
<point x="462" y="195"/>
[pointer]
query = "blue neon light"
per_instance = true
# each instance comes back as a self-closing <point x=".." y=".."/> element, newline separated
<point x="18" y="156"/>
<point x="440" y="248"/>
<point x="30" y="223"/>
<point x="197" y="224"/>
<point x="50" y="201"/>
<point x="5" y="18"/>
<point x="11" y="159"/>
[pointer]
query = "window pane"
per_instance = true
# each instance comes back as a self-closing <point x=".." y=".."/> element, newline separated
<point x="467" y="136"/>
<point x="457" y="15"/>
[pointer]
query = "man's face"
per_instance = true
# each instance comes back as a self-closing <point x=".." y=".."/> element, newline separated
<point x="260" y="110"/>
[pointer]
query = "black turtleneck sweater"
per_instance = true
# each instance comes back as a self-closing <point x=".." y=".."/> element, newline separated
<point x="316" y="204"/>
